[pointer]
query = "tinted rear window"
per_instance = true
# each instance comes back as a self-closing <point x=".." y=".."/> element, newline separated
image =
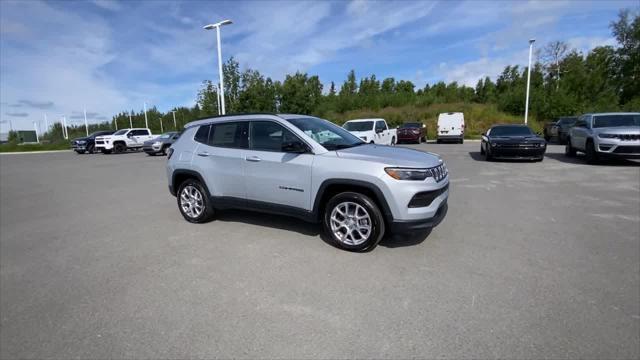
<point x="202" y="135"/>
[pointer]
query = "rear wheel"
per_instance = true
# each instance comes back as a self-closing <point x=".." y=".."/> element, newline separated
<point x="193" y="202"/>
<point x="353" y="221"/>
<point x="90" y="148"/>
<point x="591" y="155"/>
<point x="568" y="149"/>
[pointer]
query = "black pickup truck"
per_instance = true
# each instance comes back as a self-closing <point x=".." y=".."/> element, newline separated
<point x="87" y="144"/>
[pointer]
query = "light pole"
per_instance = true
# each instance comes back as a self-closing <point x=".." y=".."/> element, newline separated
<point x="86" y="124"/>
<point x="161" y="128"/>
<point x="217" y="27"/>
<point x="218" y="98"/>
<point x="46" y="124"/>
<point x="526" y="105"/>
<point x="130" y="122"/>
<point x="36" y="129"/>
<point x="175" y="125"/>
<point x="146" y="123"/>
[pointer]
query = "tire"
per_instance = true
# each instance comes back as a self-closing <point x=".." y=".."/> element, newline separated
<point x="419" y="141"/>
<point x="119" y="148"/>
<point x="80" y="151"/>
<point x="590" y="153"/>
<point x="164" y="151"/>
<point x="90" y="148"/>
<point x="481" y="150"/>
<point x="393" y="141"/>
<point x="193" y="202"/>
<point x="438" y="141"/>
<point x="540" y="159"/>
<point x="462" y="141"/>
<point x="547" y="137"/>
<point x="351" y="238"/>
<point x="569" y="150"/>
<point x="487" y="155"/>
<point x="424" y="139"/>
<point x="151" y="154"/>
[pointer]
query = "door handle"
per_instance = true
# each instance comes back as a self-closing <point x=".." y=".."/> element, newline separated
<point x="203" y="154"/>
<point x="252" y="158"/>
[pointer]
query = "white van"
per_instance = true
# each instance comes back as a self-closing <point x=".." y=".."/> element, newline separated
<point x="450" y="127"/>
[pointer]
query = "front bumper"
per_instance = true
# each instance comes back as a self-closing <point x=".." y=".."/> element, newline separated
<point x="518" y="153"/>
<point x="408" y="137"/>
<point x="407" y="226"/>
<point x="152" y="149"/>
<point x="619" y="149"/>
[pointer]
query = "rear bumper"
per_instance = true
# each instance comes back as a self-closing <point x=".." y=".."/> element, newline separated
<point x="406" y="226"/>
<point x="450" y="137"/>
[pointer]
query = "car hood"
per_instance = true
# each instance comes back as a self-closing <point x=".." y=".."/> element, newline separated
<point x="391" y="155"/>
<point x="517" y="139"/>
<point x="624" y="130"/>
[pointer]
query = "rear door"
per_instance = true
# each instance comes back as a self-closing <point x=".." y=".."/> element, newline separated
<point x="272" y="175"/>
<point x="139" y="136"/>
<point x="219" y="157"/>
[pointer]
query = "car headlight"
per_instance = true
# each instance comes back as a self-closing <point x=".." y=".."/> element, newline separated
<point x="607" y="136"/>
<point x="408" y="174"/>
<point x="81" y="141"/>
<point x="493" y="144"/>
<point x="157" y="143"/>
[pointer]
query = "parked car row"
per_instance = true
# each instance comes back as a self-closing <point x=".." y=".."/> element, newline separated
<point x="123" y="140"/>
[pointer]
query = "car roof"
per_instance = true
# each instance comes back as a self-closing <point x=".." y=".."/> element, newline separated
<point x="511" y="125"/>
<point x="613" y="113"/>
<point x="242" y="116"/>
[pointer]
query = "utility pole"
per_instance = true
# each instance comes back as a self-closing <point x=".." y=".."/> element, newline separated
<point x="175" y="126"/>
<point x="86" y="124"/>
<point x="130" y="122"/>
<point x="64" y="127"/>
<point x="146" y="122"/>
<point x="161" y="128"/>
<point x="526" y="105"/>
<point x="36" y="129"/>
<point x="46" y="123"/>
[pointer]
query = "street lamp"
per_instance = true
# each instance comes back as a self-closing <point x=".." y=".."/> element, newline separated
<point x="526" y="105"/>
<point x="175" y="126"/>
<point x="217" y="27"/>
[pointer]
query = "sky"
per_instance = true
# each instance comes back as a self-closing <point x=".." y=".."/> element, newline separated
<point x="61" y="57"/>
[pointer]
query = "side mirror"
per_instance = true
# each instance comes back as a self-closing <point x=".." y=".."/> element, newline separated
<point x="296" y="147"/>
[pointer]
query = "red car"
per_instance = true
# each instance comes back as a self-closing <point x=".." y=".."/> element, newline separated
<point x="412" y="132"/>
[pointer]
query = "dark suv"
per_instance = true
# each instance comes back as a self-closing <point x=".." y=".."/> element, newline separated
<point x="87" y="144"/>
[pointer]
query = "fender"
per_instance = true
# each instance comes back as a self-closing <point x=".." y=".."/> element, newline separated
<point x="381" y="200"/>
<point x="189" y="173"/>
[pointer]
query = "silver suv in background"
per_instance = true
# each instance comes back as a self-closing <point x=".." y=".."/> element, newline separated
<point x="605" y="135"/>
<point x="309" y="168"/>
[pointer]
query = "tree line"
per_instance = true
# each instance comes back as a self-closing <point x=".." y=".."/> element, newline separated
<point x="564" y="82"/>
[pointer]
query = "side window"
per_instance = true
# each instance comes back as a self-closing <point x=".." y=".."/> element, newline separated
<point x="202" y="135"/>
<point x="380" y="125"/>
<point x="269" y="136"/>
<point x="232" y="135"/>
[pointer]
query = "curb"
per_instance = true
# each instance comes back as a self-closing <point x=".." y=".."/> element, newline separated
<point x="34" y="152"/>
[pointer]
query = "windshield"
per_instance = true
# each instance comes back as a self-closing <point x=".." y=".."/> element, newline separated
<point x="616" y="120"/>
<point x="359" y="125"/>
<point x="410" y="125"/>
<point x="166" y="135"/>
<point x="97" y="133"/>
<point x="121" y="132"/>
<point x="511" y="131"/>
<point x="325" y="133"/>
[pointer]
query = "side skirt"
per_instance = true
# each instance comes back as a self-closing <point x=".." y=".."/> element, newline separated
<point x="228" y="202"/>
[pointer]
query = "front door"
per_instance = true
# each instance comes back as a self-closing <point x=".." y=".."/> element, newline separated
<point x="275" y="176"/>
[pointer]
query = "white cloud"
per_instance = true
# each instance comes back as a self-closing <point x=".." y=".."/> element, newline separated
<point x="111" y="5"/>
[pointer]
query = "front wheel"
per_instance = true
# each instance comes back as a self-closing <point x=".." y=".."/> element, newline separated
<point x="353" y="221"/>
<point x="393" y="141"/>
<point x="569" y="150"/>
<point x="119" y="148"/>
<point x="90" y="149"/>
<point x="591" y="155"/>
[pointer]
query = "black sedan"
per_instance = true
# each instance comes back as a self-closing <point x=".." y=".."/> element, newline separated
<point x="512" y="142"/>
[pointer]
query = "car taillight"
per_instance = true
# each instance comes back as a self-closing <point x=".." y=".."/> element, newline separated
<point x="169" y="153"/>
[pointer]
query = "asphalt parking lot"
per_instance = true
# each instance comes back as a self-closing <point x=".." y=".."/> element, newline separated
<point x="534" y="260"/>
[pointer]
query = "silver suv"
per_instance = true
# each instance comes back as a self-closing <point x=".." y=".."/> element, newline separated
<point x="605" y="135"/>
<point x="309" y="168"/>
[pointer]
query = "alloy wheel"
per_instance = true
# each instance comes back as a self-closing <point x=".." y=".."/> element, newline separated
<point x="350" y="223"/>
<point x="191" y="201"/>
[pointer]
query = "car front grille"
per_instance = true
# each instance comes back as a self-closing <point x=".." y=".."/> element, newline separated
<point x="628" y="137"/>
<point x="439" y="172"/>
<point x="626" y="149"/>
<point x="100" y="142"/>
<point x="518" y="146"/>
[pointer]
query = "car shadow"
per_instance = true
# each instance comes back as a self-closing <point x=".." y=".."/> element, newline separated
<point x="580" y="160"/>
<point x="403" y="240"/>
<point x="475" y="155"/>
<point x="310" y="229"/>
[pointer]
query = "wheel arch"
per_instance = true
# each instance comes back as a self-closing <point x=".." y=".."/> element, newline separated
<point x="180" y="176"/>
<point x="331" y="187"/>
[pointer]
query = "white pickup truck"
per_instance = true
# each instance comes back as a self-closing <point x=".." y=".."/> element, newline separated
<point x="373" y="131"/>
<point x="123" y="140"/>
